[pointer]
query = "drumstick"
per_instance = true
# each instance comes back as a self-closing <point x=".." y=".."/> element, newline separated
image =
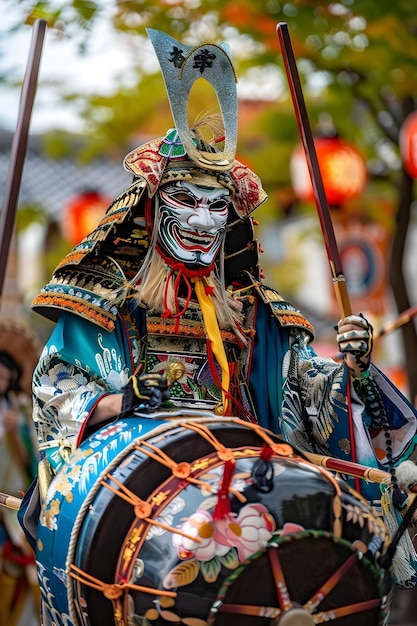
<point x="348" y="467"/>
<point x="10" y="502"/>
<point x="371" y="474"/>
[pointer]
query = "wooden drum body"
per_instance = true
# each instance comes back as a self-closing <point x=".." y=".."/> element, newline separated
<point x="200" y="520"/>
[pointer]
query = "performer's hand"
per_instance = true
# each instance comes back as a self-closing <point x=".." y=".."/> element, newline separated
<point x="354" y="336"/>
<point x="146" y="390"/>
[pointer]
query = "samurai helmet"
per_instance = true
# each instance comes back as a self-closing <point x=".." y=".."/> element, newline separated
<point x="184" y="153"/>
<point x="181" y="67"/>
<point x="117" y="246"/>
<point x="206" y="153"/>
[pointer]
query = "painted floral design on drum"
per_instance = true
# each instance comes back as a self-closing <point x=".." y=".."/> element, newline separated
<point x="224" y="542"/>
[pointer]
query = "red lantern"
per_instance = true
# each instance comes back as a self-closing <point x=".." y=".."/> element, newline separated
<point x="342" y="168"/>
<point x="82" y="214"/>
<point x="408" y="144"/>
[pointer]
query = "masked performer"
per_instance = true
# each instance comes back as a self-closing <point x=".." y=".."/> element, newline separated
<point x="163" y="304"/>
<point x="18" y="465"/>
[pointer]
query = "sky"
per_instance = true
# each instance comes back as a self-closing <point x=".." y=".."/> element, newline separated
<point x="107" y="59"/>
<point x="111" y="58"/>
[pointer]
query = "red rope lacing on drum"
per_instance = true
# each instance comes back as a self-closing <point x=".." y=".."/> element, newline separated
<point x="142" y="508"/>
<point x="266" y="452"/>
<point x="183" y="470"/>
<point x="113" y="591"/>
<point x="222" y="508"/>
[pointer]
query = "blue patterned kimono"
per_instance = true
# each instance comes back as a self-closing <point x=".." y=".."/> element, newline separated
<point x="295" y="393"/>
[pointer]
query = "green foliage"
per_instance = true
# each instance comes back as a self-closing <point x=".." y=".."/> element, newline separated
<point x="357" y="59"/>
<point x="28" y="214"/>
<point x="81" y="12"/>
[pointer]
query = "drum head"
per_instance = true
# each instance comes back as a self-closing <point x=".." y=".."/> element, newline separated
<point x="315" y="577"/>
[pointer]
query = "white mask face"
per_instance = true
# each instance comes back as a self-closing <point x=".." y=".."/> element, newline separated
<point x="192" y="222"/>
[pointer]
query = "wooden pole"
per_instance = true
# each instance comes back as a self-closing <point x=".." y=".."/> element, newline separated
<point x="19" y="147"/>
<point x="307" y="140"/>
<point x="404" y="317"/>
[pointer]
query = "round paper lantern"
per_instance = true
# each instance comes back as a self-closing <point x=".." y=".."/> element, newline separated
<point x="82" y="214"/>
<point x="342" y="167"/>
<point x="408" y="144"/>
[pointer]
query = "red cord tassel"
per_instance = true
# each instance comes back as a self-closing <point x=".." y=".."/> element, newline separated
<point x="266" y="452"/>
<point x="222" y="508"/>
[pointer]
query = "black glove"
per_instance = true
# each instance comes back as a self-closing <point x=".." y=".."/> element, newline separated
<point x="147" y="391"/>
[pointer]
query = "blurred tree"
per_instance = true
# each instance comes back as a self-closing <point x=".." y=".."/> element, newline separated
<point x="357" y="60"/>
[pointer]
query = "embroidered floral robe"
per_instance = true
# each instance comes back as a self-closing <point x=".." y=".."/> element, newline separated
<point x="295" y="392"/>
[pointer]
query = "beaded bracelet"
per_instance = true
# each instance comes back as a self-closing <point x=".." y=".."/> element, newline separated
<point x="360" y="383"/>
